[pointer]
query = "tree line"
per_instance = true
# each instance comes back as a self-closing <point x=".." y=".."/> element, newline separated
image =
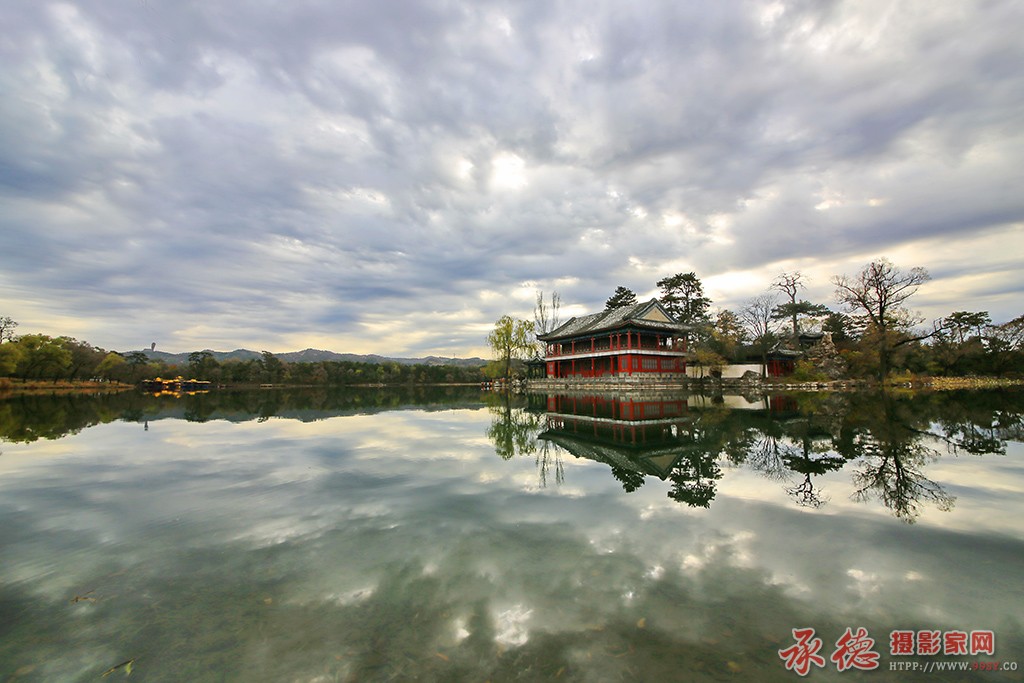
<point x="43" y="357"/>
<point x="873" y="331"/>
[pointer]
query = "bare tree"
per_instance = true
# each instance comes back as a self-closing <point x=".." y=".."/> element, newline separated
<point x="545" y="317"/>
<point x="758" y="319"/>
<point x="878" y="292"/>
<point x="7" y="329"/>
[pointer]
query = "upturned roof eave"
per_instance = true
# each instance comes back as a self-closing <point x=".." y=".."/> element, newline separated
<point x="613" y="319"/>
<point x="621" y="324"/>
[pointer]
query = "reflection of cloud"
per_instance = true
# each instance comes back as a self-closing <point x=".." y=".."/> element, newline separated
<point x="434" y="547"/>
<point x="512" y="626"/>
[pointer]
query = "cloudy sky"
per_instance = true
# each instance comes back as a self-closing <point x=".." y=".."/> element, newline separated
<point x="394" y="176"/>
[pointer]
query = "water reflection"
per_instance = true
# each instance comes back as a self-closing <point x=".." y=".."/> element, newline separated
<point x="886" y="441"/>
<point x="377" y="536"/>
<point x="29" y="417"/>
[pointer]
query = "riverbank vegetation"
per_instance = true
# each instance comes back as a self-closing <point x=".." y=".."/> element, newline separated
<point x="870" y="333"/>
<point x="32" y="360"/>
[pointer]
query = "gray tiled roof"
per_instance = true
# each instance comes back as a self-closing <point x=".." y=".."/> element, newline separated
<point x="615" y="318"/>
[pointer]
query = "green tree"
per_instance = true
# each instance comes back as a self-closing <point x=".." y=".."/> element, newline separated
<point x="790" y="284"/>
<point x="841" y="327"/>
<point x="273" y="367"/>
<point x="727" y="334"/>
<point x="84" y="357"/>
<point x="623" y="296"/>
<point x="878" y="293"/>
<point x="112" y="367"/>
<point x="709" y="362"/>
<point x="510" y="339"/>
<point x="959" y="346"/>
<point x="203" y="365"/>
<point x="961" y="324"/>
<point x="682" y="295"/>
<point x="1005" y="344"/>
<point x="136" y="360"/>
<point x="42" y="356"/>
<point x="10" y="355"/>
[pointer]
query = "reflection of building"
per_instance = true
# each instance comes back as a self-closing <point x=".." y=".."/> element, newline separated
<point x="645" y="436"/>
<point x="176" y="385"/>
<point x="642" y="340"/>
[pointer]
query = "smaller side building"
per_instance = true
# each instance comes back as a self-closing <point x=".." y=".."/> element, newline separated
<point x="643" y="339"/>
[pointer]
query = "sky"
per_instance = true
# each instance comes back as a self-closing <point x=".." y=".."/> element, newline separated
<point x="393" y="177"/>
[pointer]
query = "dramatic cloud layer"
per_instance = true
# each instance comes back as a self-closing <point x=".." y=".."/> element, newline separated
<point x="395" y="176"/>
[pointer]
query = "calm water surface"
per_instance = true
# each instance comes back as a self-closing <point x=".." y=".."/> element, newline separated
<point x="450" y="536"/>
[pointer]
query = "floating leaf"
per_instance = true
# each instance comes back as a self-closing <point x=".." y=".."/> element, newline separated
<point x="127" y="666"/>
<point x="84" y="596"/>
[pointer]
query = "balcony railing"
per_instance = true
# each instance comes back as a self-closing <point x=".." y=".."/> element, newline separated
<point x="581" y="347"/>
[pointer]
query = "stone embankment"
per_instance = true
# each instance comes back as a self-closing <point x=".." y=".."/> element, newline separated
<point x="748" y="384"/>
<point x="943" y="383"/>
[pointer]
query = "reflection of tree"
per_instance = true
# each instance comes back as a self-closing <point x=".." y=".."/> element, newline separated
<point x="693" y="479"/>
<point x="806" y="493"/>
<point x="890" y="446"/>
<point x="767" y="456"/>
<point x="513" y="429"/>
<point x="893" y="473"/>
<point x="811" y="464"/>
<point x="981" y="425"/>
<point x="631" y="479"/>
<point x="28" y="417"/>
<point x="549" y="455"/>
<point x="810" y="457"/>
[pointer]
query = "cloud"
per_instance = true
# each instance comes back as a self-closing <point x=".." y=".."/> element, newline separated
<point x="222" y="174"/>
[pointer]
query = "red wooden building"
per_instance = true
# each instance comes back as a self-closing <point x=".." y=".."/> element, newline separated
<point x="631" y="340"/>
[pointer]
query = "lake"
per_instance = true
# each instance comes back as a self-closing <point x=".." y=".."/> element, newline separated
<point x="450" y="535"/>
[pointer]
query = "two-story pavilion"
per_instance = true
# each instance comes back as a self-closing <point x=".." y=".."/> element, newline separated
<point x="629" y="340"/>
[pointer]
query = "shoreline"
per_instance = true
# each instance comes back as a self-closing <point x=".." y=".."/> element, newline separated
<point x="12" y="387"/>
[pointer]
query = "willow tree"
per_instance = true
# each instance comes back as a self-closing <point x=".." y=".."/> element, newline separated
<point x="510" y="339"/>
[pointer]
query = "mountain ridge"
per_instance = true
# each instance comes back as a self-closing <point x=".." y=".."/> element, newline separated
<point x="313" y="356"/>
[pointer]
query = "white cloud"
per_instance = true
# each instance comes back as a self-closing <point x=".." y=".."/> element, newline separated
<point x="325" y="170"/>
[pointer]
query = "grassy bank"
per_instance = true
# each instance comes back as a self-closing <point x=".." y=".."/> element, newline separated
<point x="9" y="386"/>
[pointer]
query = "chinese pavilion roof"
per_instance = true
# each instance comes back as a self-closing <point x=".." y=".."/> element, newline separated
<point x="650" y="315"/>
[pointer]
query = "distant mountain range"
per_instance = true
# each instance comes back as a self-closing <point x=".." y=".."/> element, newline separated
<point x="314" y="356"/>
